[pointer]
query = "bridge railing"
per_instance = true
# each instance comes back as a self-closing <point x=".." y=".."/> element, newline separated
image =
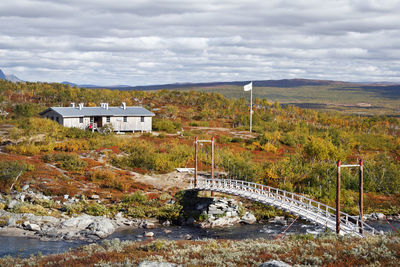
<point x="307" y="204"/>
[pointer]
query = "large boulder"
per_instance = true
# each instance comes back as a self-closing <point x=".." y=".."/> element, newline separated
<point x="32" y="227"/>
<point x="224" y="221"/>
<point x="156" y="264"/>
<point x="274" y="263"/>
<point x="80" y="222"/>
<point x="248" y="218"/>
<point x="101" y="228"/>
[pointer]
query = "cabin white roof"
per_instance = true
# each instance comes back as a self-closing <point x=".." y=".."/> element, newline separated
<point x="100" y="111"/>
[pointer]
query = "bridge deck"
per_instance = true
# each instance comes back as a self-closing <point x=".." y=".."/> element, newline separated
<point x="306" y="208"/>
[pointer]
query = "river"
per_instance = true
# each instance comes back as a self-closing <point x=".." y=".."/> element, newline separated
<point x="24" y="247"/>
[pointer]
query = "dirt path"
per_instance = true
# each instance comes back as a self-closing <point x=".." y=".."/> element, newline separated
<point x="210" y="130"/>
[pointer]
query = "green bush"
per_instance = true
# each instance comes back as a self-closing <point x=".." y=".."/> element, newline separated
<point x="166" y="125"/>
<point x="137" y="197"/>
<point x="30" y="208"/>
<point x="9" y="170"/>
<point x="169" y="212"/>
<point x="96" y="209"/>
<point x="69" y="162"/>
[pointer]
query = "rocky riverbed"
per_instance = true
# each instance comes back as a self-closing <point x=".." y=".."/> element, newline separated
<point x="214" y="212"/>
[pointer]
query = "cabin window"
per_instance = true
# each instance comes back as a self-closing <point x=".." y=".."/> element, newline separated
<point x="125" y="119"/>
<point x="108" y="119"/>
<point x="142" y="119"/>
<point x="57" y="119"/>
<point x="81" y="120"/>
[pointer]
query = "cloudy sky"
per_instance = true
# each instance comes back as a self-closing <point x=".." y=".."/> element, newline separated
<point x="140" y="42"/>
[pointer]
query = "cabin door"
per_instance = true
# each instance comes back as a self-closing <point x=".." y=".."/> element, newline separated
<point x="98" y="121"/>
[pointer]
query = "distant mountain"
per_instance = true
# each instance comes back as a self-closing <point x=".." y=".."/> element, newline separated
<point x="285" y="83"/>
<point x="2" y="75"/>
<point x="11" y="77"/>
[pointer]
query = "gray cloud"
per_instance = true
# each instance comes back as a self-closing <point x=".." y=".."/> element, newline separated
<point x="147" y="42"/>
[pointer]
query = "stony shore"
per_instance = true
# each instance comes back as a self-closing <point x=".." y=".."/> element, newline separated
<point x="215" y="212"/>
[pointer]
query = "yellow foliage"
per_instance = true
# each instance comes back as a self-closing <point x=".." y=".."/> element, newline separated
<point x="269" y="148"/>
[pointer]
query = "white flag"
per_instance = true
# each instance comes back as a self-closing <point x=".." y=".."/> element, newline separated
<point x="248" y="87"/>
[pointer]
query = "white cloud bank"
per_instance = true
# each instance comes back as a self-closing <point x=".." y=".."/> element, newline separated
<point x="149" y="42"/>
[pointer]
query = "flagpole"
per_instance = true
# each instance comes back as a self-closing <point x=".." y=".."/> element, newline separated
<point x="248" y="87"/>
<point x="251" y="107"/>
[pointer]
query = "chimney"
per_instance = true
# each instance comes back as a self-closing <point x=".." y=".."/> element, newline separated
<point x="106" y="105"/>
<point x="72" y="104"/>
<point x="123" y="105"/>
<point x="80" y="106"/>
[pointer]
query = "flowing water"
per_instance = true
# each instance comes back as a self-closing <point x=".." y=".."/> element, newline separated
<point x="23" y="247"/>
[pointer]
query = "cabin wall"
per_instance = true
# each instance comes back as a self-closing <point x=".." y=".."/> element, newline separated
<point x="74" y="122"/>
<point x="132" y="124"/>
<point x="53" y="116"/>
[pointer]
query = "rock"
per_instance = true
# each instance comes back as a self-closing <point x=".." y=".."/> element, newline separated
<point x="66" y="197"/>
<point x="224" y="221"/>
<point x="166" y="223"/>
<point x="148" y="225"/>
<point x="380" y="216"/>
<point x="101" y="228"/>
<point x="248" y="218"/>
<point x="32" y="227"/>
<point x="80" y="222"/>
<point x="95" y="197"/>
<point x="11" y="222"/>
<point x="274" y="263"/>
<point x="216" y="212"/>
<point x="280" y="220"/>
<point x="25" y="187"/>
<point x="12" y="204"/>
<point x="156" y="264"/>
<point x="167" y="231"/>
<point x="187" y="237"/>
<point x="148" y="234"/>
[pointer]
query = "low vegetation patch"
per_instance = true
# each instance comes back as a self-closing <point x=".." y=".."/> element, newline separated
<point x="327" y="250"/>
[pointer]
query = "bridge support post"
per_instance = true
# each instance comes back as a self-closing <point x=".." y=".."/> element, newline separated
<point x="195" y="162"/>
<point x="212" y="161"/>
<point x="361" y="197"/>
<point x="338" y="198"/>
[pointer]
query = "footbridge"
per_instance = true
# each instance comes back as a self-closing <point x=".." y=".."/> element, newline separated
<point x="296" y="204"/>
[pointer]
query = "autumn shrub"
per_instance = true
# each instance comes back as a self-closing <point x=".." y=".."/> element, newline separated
<point x="223" y="139"/>
<point x="73" y="208"/>
<point x="24" y="110"/>
<point x="166" y="125"/>
<point x="23" y="149"/>
<point x="288" y="139"/>
<point x="96" y="209"/>
<point x="10" y="170"/>
<point x="137" y="197"/>
<point x="69" y="162"/>
<point x="199" y="123"/>
<point x="30" y="208"/>
<point x="74" y="132"/>
<point x="169" y="212"/>
<point x="136" y="212"/>
<point x="320" y="149"/>
<point x="72" y="145"/>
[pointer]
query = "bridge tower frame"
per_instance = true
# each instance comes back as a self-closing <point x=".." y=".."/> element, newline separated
<point x="196" y="142"/>
<point x="361" y="193"/>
